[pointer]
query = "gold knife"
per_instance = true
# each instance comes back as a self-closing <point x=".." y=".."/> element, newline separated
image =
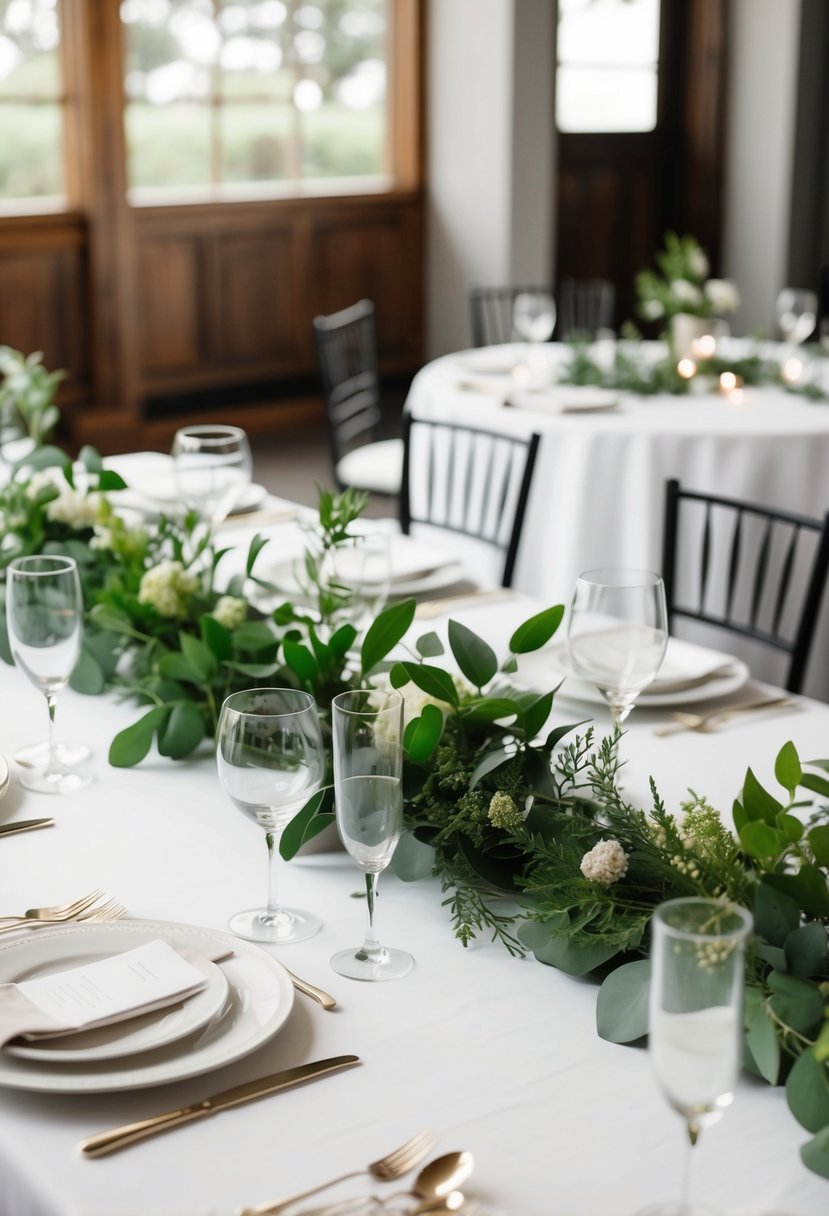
<point x="25" y="825"/>
<point x="121" y="1137"/>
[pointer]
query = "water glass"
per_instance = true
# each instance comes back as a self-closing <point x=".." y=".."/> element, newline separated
<point x="44" y="607"/>
<point x="212" y="466"/>
<point x="617" y="633"/>
<point x="367" y="730"/>
<point x="271" y="760"/>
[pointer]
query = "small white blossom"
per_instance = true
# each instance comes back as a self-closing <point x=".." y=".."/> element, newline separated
<point x="722" y="295"/>
<point x="606" y="863"/>
<point x="43" y="479"/>
<point x="684" y="292"/>
<point x="75" y="509"/>
<point x="698" y="264"/>
<point x="168" y="587"/>
<point x="230" y="611"/>
<point x="652" y="310"/>
<point x="103" y="538"/>
<point x="504" y="811"/>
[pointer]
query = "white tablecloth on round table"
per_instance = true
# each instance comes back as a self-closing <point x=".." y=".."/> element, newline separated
<point x="598" y="491"/>
<point x="500" y="1056"/>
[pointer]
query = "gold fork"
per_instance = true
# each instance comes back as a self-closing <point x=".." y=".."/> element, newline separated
<point x="716" y="717"/>
<point x="111" y="910"/>
<point x="394" y="1165"/>
<point x="59" y="911"/>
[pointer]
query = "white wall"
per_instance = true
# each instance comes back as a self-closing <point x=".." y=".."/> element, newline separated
<point x="760" y="122"/>
<point x="490" y="141"/>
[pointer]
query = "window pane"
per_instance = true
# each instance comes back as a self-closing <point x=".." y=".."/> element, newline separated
<point x="30" y="151"/>
<point x="31" y="111"/>
<point x="620" y="32"/>
<point x="168" y="145"/>
<point x="605" y="99"/>
<point x="255" y="142"/>
<point x="339" y="141"/>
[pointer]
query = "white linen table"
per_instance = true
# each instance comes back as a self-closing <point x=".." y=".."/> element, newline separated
<point x="499" y="1055"/>
<point x="597" y="497"/>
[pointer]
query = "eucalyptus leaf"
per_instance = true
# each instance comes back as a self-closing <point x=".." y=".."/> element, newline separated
<point x="622" y="1003"/>
<point x="762" y="1042"/>
<point x="412" y="859"/>
<point x="776" y="915"/>
<point x="297" y="831"/>
<point x="429" y="646"/>
<point x="182" y="732"/>
<point x="475" y="657"/>
<point x="806" y="949"/>
<point x="796" y="1002"/>
<point x="572" y="956"/>
<point x="815" y="1153"/>
<point x="807" y="887"/>
<point x="200" y="657"/>
<point x="5" y="646"/>
<point x="385" y="632"/>
<point x="90" y="458"/>
<point x="131" y="745"/>
<point x="818" y="839"/>
<point x="489" y="763"/>
<point x="537" y="631"/>
<point x="88" y="676"/>
<point x="110" y="618"/>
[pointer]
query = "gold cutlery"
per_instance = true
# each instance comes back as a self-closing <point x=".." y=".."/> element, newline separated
<point x="316" y="994"/>
<point x="253" y="519"/>
<point x="717" y="717"/>
<point x="99" y="914"/>
<point x="121" y="1137"/>
<point x="25" y="825"/>
<point x="430" y="609"/>
<point x="394" y="1165"/>
<point x="437" y="1183"/>
<point x="59" y="911"/>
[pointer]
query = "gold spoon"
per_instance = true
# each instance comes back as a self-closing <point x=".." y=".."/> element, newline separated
<point x="316" y="994"/>
<point x="437" y="1183"/>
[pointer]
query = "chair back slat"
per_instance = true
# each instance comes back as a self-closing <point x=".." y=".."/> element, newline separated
<point x="768" y="571"/>
<point x="346" y="346"/>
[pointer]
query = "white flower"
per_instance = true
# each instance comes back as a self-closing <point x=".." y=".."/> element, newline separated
<point x="652" y="310"/>
<point x="103" y="538"/>
<point x="72" y="507"/>
<point x="504" y="811"/>
<point x="606" y="862"/>
<point x="230" y="611"/>
<point x="168" y="587"/>
<point x="698" y="263"/>
<point x="684" y="292"/>
<point x="722" y="295"/>
<point x="43" y="479"/>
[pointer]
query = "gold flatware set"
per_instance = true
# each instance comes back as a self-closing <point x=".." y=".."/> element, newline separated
<point x="715" y="718"/>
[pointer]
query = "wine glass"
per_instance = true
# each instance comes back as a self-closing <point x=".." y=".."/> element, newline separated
<point x="212" y="468"/>
<point x="368" y="790"/>
<point x="796" y="312"/>
<point x="617" y="633"/>
<point x="271" y="759"/>
<point x="534" y="319"/>
<point x="695" y="1025"/>
<point x="44" y="607"/>
<point x="359" y="573"/>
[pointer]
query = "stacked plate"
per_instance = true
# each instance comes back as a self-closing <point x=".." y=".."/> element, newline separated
<point x="151" y="486"/>
<point x="246" y="999"/>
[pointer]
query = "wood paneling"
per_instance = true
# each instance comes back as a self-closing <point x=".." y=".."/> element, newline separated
<point x="170" y="289"/>
<point x="255" y="298"/>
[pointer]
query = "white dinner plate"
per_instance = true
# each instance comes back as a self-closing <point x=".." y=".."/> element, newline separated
<point x="549" y="666"/>
<point x="5" y="776"/>
<point x="260" y="997"/>
<point x="283" y="576"/>
<point x="130" y="1037"/>
<point x="151" y="486"/>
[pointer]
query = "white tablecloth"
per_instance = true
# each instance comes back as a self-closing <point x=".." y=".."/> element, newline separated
<point x="598" y="491"/>
<point x="500" y="1056"/>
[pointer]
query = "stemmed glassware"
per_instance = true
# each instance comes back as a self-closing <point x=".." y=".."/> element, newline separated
<point x="271" y="760"/>
<point x="44" y="607"/>
<point x="617" y="633"/>
<point x="796" y="313"/>
<point x="695" y="1025"/>
<point x="367" y="729"/>
<point x="534" y="319"/>
<point x="361" y="574"/>
<point x="212" y="467"/>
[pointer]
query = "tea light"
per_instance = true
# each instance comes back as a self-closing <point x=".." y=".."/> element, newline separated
<point x="686" y="369"/>
<point x="792" y="370"/>
<point x="704" y="347"/>
<point x="728" y="382"/>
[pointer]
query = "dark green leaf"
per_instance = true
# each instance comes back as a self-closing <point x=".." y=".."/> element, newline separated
<point x="398" y="676"/>
<point x="806" y="950"/>
<point x="423" y="733"/>
<point x="796" y="1002"/>
<point x="253" y="636"/>
<point x="536" y="631"/>
<point x="807" y="887"/>
<point x="818" y="785"/>
<point x="510" y="665"/>
<point x="622" y="1004"/>
<point x="819" y="843"/>
<point x="760" y="840"/>
<point x="429" y="646"/>
<point x="775" y="956"/>
<point x="182" y="732"/>
<point x="776" y="915"/>
<point x="537" y="714"/>
<point x="499" y="871"/>
<point x="5" y="647"/>
<point x="559" y="732"/>
<point x="475" y="657"/>
<point x="412" y="859"/>
<point x="216" y="638"/>
<point x="132" y="744"/>
<point x="341" y="642"/>
<point x="489" y="763"/>
<point x="758" y="802"/>
<point x="489" y="709"/>
<point x="790" y="826"/>
<point x="201" y="659"/>
<point x="787" y="768"/>
<point x="110" y="618"/>
<point x="762" y="1043"/>
<point x="385" y="632"/>
<point x="300" y="660"/>
<point x="572" y="957"/>
<point x="254" y="549"/>
<point x="434" y="681"/>
<point x="88" y="677"/>
<point x="109" y="480"/>
<point x="815" y="1153"/>
<point x="174" y="666"/>
<point x="303" y="827"/>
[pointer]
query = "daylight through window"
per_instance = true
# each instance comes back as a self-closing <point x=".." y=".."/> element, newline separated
<point x="31" y="104"/>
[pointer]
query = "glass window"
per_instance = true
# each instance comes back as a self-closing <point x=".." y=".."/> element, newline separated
<point x="31" y="105"/>
<point x="608" y="58"/>
<point x="240" y="96"/>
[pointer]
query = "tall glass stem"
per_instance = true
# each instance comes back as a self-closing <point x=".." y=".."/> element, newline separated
<point x="52" y="766"/>
<point x="274" y="914"/>
<point x="372" y="950"/>
<point x="687" y="1166"/>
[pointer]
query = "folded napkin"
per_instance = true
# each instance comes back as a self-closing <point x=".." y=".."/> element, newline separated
<point x="566" y="399"/>
<point x="687" y="665"/>
<point x="149" y="977"/>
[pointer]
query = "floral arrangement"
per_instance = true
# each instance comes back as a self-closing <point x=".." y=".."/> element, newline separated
<point x="27" y="395"/>
<point x="682" y="284"/>
<point x="520" y="817"/>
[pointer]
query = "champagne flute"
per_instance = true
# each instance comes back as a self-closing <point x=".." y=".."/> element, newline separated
<point x="271" y="759"/>
<point x="212" y="469"/>
<point x="695" y="1025"/>
<point x="44" y="606"/>
<point x="617" y="633"/>
<point x="368" y="790"/>
<point x="534" y="319"/>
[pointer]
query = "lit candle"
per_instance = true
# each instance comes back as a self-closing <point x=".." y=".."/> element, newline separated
<point x="792" y="370"/>
<point x="686" y="369"/>
<point x="704" y="347"/>
<point x="728" y="382"/>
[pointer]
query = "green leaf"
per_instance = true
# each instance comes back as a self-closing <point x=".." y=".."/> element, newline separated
<point x="5" y="647"/>
<point x="385" y="632"/>
<point x="787" y="768"/>
<point x="807" y="887"/>
<point x="398" y="676"/>
<point x="818" y="785"/>
<point x="758" y="802"/>
<point x="537" y="631"/>
<point x="423" y="733"/>
<point x="489" y="709"/>
<point x="510" y="665"/>
<point x="88" y="676"/>
<point x="304" y="825"/>
<point x="489" y="763"/>
<point x="259" y="671"/>
<point x="776" y="915"/>
<point x="253" y="636"/>
<point x="760" y="840"/>
<point x="255" y="547"/>
<point x="475" y="657"/>
<point x="182" y="732"/>
<point x="46" y="457"/>
<point x="622" y="1004"/>
<point x="434" y="681"/>
<point x="739" y="816"/>
<point x="112" y="619"/>
<point x="132" y="744"/>
<point x="412" y="859"/>
<point x="806" y="950"/>
<point x="815" y="1153"/>
<point x="762" y="1043"/>
<point x="572" y="957"/>
<point x="300" y="660"/>
<point x="775" y="956"/>
<point x="429" y="646"/>
<point x="216" y="638"/>
<point x="104" y="647"/>
<point x="818" y="839"/>
<point x="201" y="659"/>
<point x="174" y="666"/>
<point x="341" y="642"/>
<point x="90" y="458"/>
<point x="790" y="826"/>
<point x="536" y="715"/>
<point x="109" y="480"/>
<point x="796" y="1002"/>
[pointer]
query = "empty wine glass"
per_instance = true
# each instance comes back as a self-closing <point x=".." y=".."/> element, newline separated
<point x="271" y="759"/>
<point x="360" y="574"/>
<point x="533" y="320"/>
<point x="695" y="1025"/>
<point x="44" y="607"/>
<point x="368" y="790"/>
<point x="212" y="469"/>
<point x="617" y="633"/>
<point x="796" y="312"/>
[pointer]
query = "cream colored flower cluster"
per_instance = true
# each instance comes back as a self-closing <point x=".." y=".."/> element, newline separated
<point x="605" y="863"/>
<point x="230" y="611"/>
<point x="71" y="507"/>
<point x="168" y="587"/>
<point x="504" y="811"/>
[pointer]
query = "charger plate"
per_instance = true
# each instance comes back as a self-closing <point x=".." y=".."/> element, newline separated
<point x="260" y="997"/>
